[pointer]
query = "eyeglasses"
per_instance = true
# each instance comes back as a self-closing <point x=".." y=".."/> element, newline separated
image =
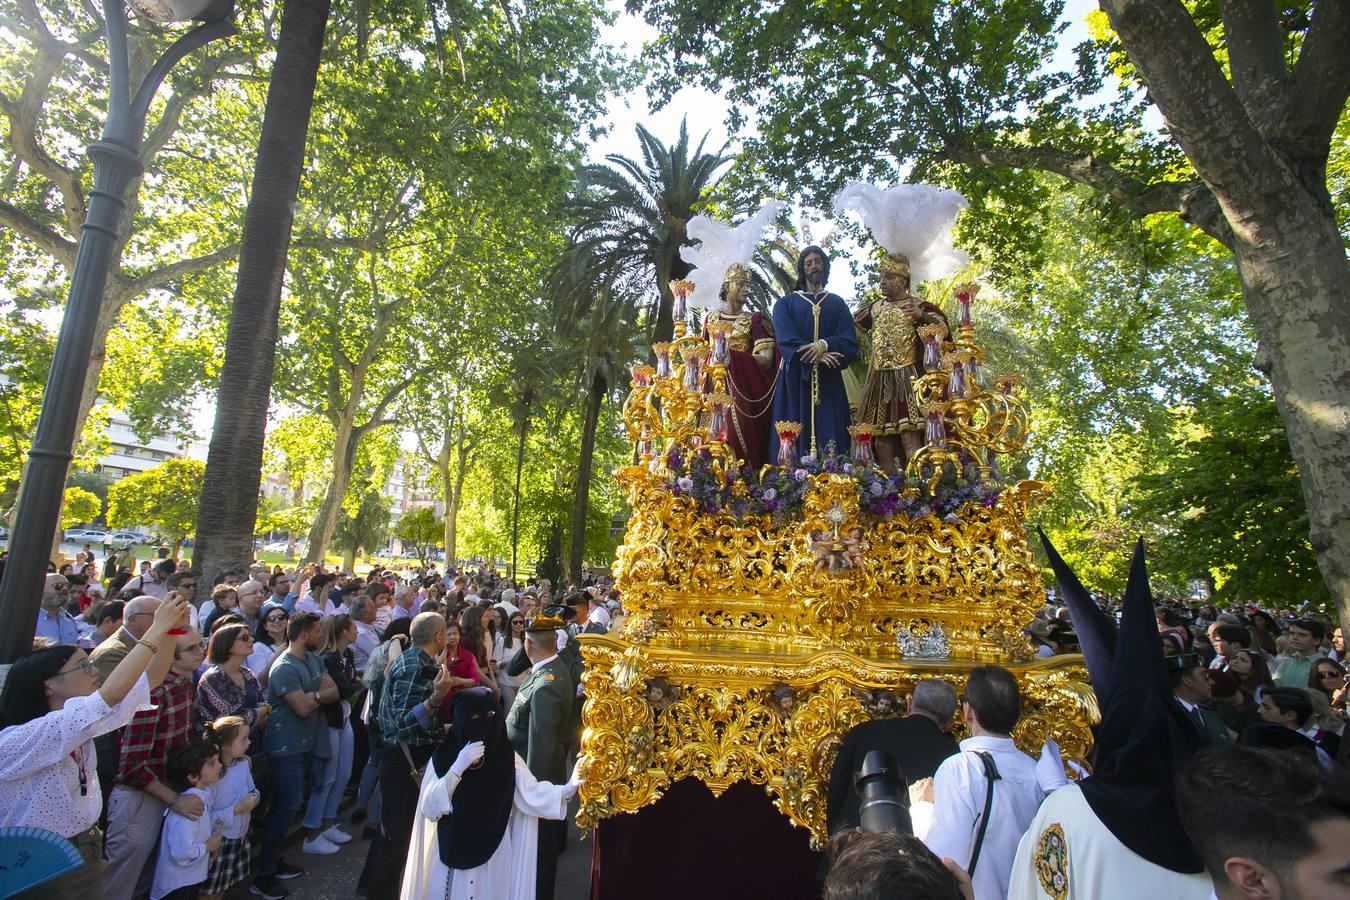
<point x="275" y="619"/>
<point x="245" y="637"/>
<point x="1329" y="673"/>
<point x="87" y="667"/>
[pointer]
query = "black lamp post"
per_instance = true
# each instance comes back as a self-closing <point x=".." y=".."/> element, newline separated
<point x="117" y="163"/>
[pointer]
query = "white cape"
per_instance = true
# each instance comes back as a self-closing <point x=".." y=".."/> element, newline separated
<point x="1068" y="853"/>
<point x="509" y="874"/>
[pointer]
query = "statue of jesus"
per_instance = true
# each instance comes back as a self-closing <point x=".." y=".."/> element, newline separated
<point x="815" y="335"/>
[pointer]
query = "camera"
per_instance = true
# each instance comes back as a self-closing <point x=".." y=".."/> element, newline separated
<point x="883" y="794"/>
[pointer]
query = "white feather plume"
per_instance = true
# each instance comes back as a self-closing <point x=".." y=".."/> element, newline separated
<point x="722" y="246"/>
<point x="913" y="220"/>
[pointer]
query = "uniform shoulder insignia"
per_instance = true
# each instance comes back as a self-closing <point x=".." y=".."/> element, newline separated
<point x="548" y="676"/>
<point x="1052" y="862"/>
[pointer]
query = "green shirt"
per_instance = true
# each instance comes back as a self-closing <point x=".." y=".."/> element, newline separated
<point x="1294" y="671"/>
<point x="288" y="733"/>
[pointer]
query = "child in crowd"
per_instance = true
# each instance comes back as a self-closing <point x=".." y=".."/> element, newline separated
<point x="233" y="799"/>
<point x="185" y="846"/>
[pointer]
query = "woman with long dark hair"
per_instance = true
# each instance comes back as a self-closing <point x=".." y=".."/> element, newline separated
<point x="1251" y="671"/>
<point x="339" y="633"/>
<point x="51" y="710"/>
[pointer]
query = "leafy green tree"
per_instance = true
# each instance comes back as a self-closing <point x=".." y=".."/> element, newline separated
<point x="419" y="529"/>
<point x="1253" y="95"/>
<point x="163" y="498"/>
<point x="78" y="507"/>
<point x="53" y="81"/>
<point x="1227" y="506"/>
<point x="362" y="529"/>
<point x="629" y="223"/>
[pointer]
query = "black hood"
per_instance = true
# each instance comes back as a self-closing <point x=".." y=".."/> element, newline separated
<point x="469" y="835"/>
<point x="1144" y="737"/>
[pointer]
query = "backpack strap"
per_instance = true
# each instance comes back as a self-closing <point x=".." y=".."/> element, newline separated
<point x="991" y="775"/>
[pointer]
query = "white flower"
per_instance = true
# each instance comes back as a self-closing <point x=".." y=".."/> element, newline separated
<point x="686" y="483"/>
<point x="770" y="494"/>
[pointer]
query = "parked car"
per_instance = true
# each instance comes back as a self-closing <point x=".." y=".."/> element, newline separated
<point x="275" y="547"/>
<point x="130" y="537"/>
<point x="85" y="535"/>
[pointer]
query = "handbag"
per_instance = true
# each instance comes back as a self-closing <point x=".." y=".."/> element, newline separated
<point x="990" y="775"/>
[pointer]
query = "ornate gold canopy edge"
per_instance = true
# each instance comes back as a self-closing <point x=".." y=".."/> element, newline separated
<point x="655" y="715"/>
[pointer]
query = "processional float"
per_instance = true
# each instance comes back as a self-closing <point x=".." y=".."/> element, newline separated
<point x="767" y="612"/>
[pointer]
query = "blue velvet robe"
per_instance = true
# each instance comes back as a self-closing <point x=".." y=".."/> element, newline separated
<point x="793" y="328"/>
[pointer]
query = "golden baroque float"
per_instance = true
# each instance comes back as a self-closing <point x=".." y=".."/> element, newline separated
<point x="753" y="641"/>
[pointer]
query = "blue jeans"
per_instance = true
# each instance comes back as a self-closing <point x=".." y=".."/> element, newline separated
<point x="288" y="791"/>
<point x="323" y="803"/>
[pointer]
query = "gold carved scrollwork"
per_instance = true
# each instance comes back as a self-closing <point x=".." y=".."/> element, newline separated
<point x="775" y="722"/>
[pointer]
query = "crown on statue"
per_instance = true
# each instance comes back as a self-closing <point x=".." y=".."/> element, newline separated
<point x="736" y="274"/>
<point x="895" y="264"/>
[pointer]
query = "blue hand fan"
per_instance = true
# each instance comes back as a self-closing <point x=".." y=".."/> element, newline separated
<point x="32" y="856"/>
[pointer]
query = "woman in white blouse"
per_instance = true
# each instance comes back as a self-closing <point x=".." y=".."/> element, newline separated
<point x="52" y="709"/>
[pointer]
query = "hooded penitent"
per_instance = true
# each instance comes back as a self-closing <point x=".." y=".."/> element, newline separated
<point x="1144" y="737"/>
<point x="472" y="831"/>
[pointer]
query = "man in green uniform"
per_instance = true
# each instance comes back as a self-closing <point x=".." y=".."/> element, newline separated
<point x="538" y="726"/>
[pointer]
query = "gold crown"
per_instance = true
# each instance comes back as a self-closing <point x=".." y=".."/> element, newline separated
<point x="736" y="274"/>
<point x="895" y="264"/>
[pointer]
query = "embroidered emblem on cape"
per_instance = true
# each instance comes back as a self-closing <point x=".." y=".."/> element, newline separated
<point x="1052" y="862"/>
<point x="548" y="676"/>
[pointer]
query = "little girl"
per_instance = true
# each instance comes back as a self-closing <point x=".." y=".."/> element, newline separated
<point x="233" y="799"/>
<point x="186" y="847"/>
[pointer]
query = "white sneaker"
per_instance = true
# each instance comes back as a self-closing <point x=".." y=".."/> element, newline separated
<point x="319" y="846"/>
<point x="335" y="835"/>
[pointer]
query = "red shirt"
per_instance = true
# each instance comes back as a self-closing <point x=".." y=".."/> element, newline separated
<point x="462" y="666"/>
<point x="152" y="733"/>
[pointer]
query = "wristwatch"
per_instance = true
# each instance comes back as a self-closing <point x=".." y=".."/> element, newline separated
<point x="316" y="697"/>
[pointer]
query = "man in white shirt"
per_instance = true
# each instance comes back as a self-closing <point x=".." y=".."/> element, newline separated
<point x="316" y="601"/>
<point x="597" y="614"/>
<point x="960" y="789"/>
<point x="367" y="639"/>
<point x="508" y="603"/>
<point x="404" y="596"/>
<point x="152" y="583"/>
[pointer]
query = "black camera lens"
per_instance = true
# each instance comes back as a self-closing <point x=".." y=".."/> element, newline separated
<point x="883" y="794"/>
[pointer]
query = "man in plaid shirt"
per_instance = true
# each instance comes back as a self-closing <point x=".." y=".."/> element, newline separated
<point x="140" y="796"/>
<point x="410" y="727"/>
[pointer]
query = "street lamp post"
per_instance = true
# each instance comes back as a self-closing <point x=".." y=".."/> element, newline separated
<point x="117" y="163"/>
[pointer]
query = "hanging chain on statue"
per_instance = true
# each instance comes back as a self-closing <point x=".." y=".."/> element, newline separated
<point x="815" y="370"/>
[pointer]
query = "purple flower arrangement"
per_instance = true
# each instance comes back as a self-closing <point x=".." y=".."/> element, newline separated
<point x="779" y="491"/>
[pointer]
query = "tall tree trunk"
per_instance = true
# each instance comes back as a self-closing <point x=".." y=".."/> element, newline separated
<point x="515" y="495"/>
<point x="1268" y="173"/>
<point x="581" y="499"/>
<point x="442" y="464"/>
<point x="325" y="521"/>
<point x="228" y="508"/>
<point x="456" y="495"/>
<point x="297" y="498"/>
<point x="349" y="560"/>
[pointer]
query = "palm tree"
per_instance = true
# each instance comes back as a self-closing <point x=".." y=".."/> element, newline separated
<point x="228" y="508"/>
<point x="602" y="333"/>
<point x="630" y="222"/>
<point x="534" y="370"/>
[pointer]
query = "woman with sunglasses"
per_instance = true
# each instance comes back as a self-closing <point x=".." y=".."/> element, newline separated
<point x="51" y="710"/>
<point x="229" y="687"/>
<point x="1327" y="677"/>
<point x="269" y="639"/>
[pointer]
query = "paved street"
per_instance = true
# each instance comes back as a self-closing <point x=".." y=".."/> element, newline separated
<point x="334" y="877"/>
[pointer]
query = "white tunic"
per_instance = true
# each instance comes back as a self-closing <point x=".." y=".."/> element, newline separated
<point x="1068" y="853"/>
<point x="510" y="873"/>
